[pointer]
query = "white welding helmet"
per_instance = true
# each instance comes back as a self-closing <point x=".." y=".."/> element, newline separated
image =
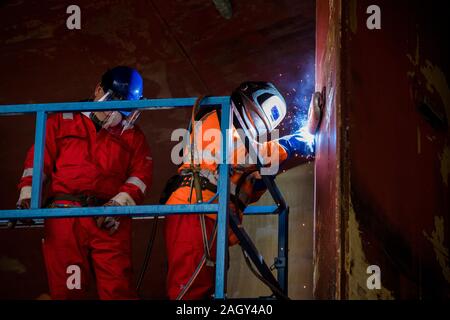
<point x="258" y="108"/>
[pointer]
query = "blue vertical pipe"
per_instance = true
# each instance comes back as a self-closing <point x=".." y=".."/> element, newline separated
<point x="38" y="162"/>
<point x="224" y="196"/>
<point x="283" y="242"/>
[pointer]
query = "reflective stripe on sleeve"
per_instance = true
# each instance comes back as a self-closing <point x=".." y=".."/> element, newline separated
<point x="67" y="116"/>
<point x="25" y="193"/>
<point x="137" y="182"/>
<point x="27" y="172"/>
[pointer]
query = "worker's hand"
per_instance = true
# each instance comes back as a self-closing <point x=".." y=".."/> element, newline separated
<point x="109" y="223"/>
<point x="314" y="113"/>
<point x="21" y="204"/>
<point x="300" y="143"/>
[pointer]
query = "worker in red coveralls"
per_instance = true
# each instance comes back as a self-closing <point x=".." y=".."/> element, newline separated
<point x="93" y="159"/>
<point x="257" y="108"/>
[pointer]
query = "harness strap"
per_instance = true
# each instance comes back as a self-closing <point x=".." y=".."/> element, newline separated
<point x="207" y="185"/>
<point x="83" y="199"/>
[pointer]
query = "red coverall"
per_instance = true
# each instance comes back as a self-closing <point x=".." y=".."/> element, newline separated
<point x="80" y="160"/>
<point x="183" y="234"/>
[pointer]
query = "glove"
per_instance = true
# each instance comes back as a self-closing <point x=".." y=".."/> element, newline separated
<point x="315" y="113"/>
<point x="21" y="204"/>
<point x="300" y="142"/>
<point x="109" y="223"/>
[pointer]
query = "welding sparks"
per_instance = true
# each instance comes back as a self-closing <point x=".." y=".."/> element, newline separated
<point x="306" y="137"/>
<point x="298" y="98"/>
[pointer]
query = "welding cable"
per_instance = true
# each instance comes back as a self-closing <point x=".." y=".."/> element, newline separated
<point x="193" y="277"/>
<point x="199" y="267"/>
<point x="148" y="253"/>
<point x="195" y="109"/>
<point x="274" y="289"/>
<point x="206" y="248"/>
<point x="216" y="195"/>
<point x="195" y="182"/>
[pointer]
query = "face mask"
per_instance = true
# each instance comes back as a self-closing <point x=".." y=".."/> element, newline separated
<point x="111" y="119"/>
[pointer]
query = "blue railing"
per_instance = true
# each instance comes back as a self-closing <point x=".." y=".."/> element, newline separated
<point x="223" y="190"/>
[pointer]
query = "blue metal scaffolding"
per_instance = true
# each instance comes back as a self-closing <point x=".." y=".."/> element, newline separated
<point x="223" y="190"/>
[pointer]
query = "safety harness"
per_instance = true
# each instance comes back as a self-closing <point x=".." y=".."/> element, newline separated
<point x="198" y="180"/>
<point x="196" y="183"/>
<point x="186" y="181"/>
<point x="83" y="199"/>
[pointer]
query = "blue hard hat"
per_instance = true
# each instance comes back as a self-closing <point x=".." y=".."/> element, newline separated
<point x="124" y="82"/>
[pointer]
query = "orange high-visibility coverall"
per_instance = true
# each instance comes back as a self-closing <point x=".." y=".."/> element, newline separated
<point x="183" y="233"/>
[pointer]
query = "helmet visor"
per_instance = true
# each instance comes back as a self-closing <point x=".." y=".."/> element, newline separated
<point x="255" y="121"/>
<point x="120" y="120"/>
<point x="130" y="118"/>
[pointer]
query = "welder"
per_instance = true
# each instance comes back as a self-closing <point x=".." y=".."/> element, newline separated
<point x="257" y="109"/>
<point x="93" y="159"/>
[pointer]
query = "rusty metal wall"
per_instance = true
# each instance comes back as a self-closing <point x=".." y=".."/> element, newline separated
<point x="393" y="146"/>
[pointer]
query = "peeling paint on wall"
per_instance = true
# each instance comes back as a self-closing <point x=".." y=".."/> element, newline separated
<point x="436" y="81"/>
<point x="224" y="8"/>
<point x="414" y="60"/>
<point x="437" y="240"/>
<point x="434" y="77"/>
<point x="316" y="270"/>
<point x="356" y="265"/>
<point x="11" y="265"/>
